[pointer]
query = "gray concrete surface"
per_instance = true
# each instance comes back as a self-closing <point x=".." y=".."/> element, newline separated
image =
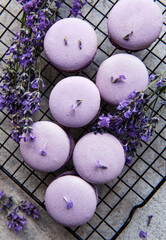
<point x="154" y="165"/>
<point x="156" y="230"/>
<point x="46" y="229"/>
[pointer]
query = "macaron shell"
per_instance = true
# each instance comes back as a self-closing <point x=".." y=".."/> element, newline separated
<point x="65" y="94"/>
<point x="74" y="173"/>
<point x="70" y="57"/>
<point x="143" y="17"/>
<point x="104" y="148"/>
<point x="51" y="138"/>
<point x="121" y="64"/>
<point x="79" y="192"/>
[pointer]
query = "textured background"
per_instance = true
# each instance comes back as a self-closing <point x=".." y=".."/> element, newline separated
<point x="119" y="196"/>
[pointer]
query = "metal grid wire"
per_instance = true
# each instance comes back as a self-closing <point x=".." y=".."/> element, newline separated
<point x="139" y="181"/>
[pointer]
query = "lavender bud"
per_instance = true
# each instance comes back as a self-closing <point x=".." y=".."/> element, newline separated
<point x="75" y="106"/>
<point x="69" y="203"/>
<point x="100" y="166"/>
<point x="149" y="220"/>
<point x="120" y="78"/>
<point x="2" y="194"/>
<point x="65" y="41"/>
<point x="143" y="234"/>
<point x="127" y="37"/>
<point x="80" y="44"/>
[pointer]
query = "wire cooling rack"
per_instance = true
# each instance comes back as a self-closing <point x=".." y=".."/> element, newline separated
<point x="138" y="182"/>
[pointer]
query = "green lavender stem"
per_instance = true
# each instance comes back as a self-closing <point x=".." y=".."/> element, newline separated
<point x="161" y="75"/>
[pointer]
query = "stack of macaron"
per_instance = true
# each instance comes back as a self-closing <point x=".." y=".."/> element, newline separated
<point x="71" y="45"/>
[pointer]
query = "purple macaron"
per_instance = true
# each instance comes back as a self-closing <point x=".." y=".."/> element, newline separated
<point x="119" y="75"/>
<point x="70" y="200"/>
<point x="70" y="44"/>
<point x="44" y="153"/>
<point x="98" y="158"/>
<point x="74" y="101"/>
<point x="134" y="24"/>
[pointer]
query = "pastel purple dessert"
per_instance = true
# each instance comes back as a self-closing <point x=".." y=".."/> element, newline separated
<point x="70" y="44"/>
<point x="70" y="200"/>
<point x="74" y="101"/>
<point x="134" y="24"/>
<point x="44" y="153"/>
<point x="119" y="75"/>
<point x="98" y="158"/>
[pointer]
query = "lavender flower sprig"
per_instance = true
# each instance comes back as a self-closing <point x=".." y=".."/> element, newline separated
<point x="29" y="209"/>
<point x="15" y="222"/>
<point x="131" y="123"/>
<point x="77" y="6"/>
<point x="22" y="81"/>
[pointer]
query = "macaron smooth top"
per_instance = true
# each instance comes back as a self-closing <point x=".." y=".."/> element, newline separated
<point x="74" y="101"/>
<point x="119" y="75"/>
<point x="70" y="44"/>
<point x="98" y="158"/>
<point x="134" y="24"/>
<point x="70" y="200"/>
<point x="44" y="153"/>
